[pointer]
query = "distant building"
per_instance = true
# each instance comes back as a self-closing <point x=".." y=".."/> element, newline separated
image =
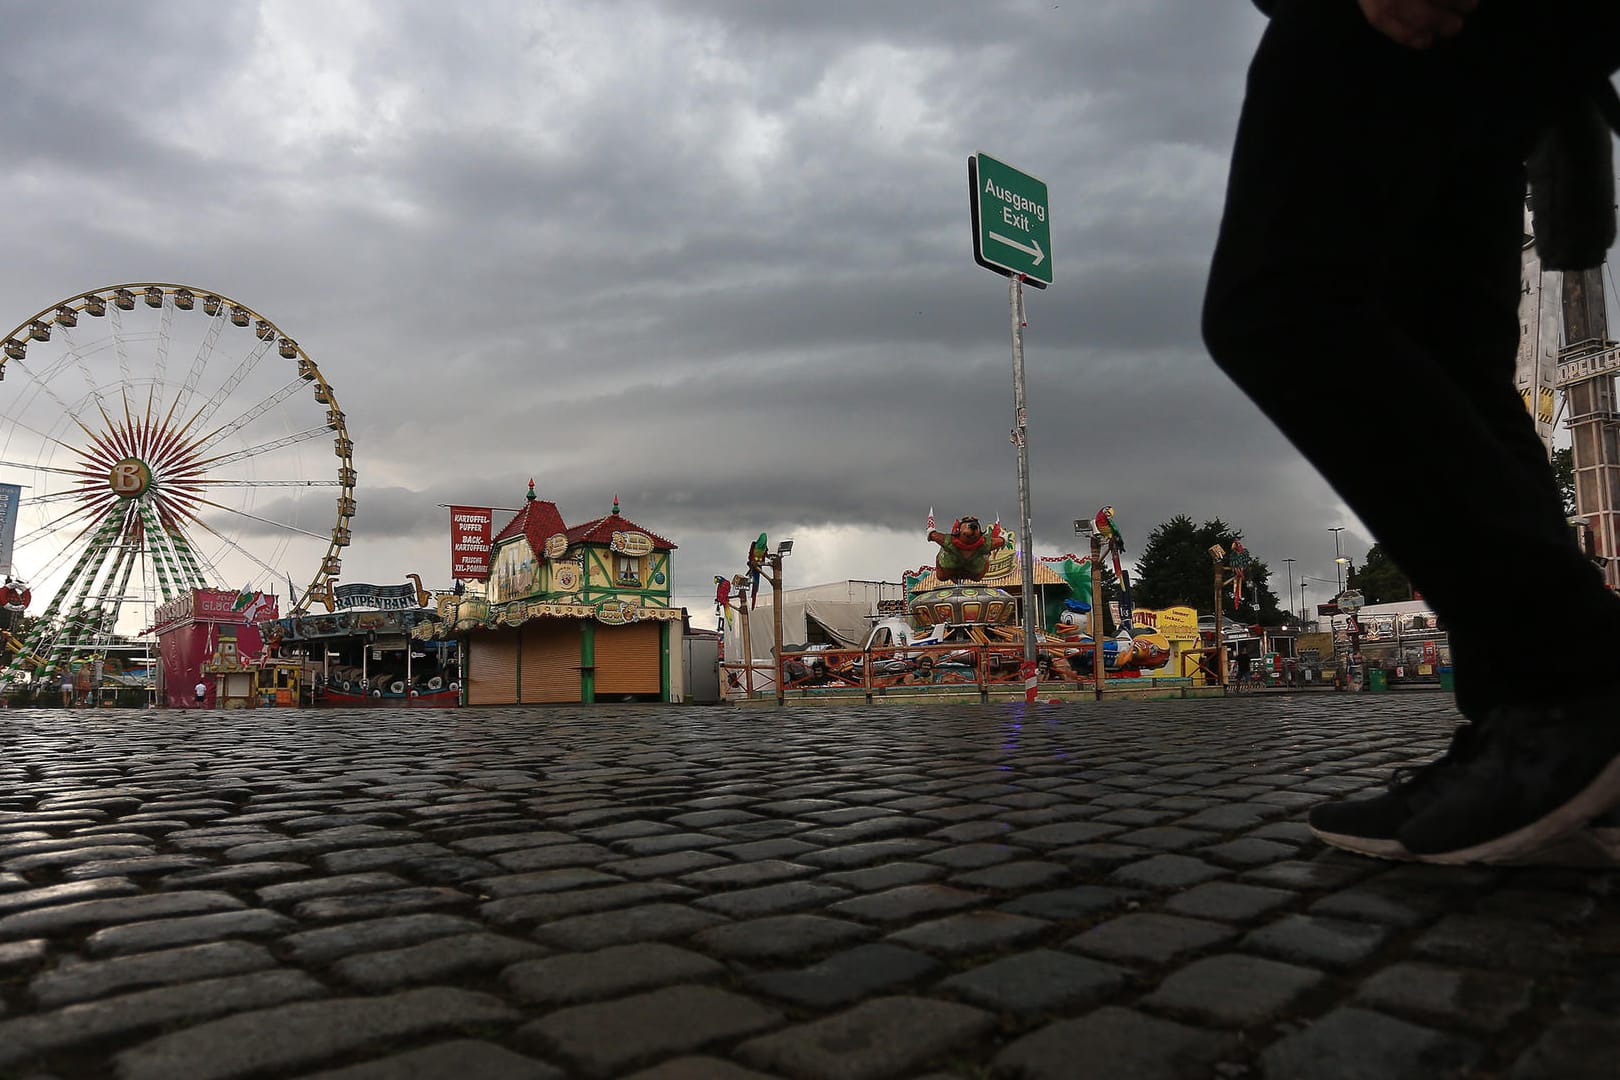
<point x="573" y="613"/>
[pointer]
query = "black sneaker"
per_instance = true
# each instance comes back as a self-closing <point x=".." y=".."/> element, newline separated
<point x="1534" y="777"/>
<point x="1372" y="826"/>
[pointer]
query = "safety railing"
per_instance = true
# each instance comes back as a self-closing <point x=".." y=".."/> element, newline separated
<point x="954" y="668"/>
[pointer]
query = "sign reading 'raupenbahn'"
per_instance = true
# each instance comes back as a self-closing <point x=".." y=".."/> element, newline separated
<point x="382" y="597"/>
<point x="1012" y="222"/>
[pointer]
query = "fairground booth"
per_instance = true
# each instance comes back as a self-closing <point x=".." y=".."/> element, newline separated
<point x="212" y="636"/>
<point x="568" y="613"/>
<point x="374" y="646"/>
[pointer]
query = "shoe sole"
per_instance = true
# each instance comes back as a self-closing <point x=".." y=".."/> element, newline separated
<point x="1587" y="849"/>
<point x="1598" y="797"/>
<point x="1392" y="850"/>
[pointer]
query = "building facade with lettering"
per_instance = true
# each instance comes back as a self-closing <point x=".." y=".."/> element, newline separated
<point x="572" y="613"/>
<point x="212" y="637"/>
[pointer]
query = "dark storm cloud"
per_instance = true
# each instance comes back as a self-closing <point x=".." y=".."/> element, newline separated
<point x="712" y="256"/>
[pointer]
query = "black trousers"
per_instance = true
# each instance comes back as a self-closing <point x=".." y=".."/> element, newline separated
<point x="1364" y="294"/>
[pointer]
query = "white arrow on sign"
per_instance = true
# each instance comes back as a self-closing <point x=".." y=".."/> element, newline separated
<point x="1040" y="256"/>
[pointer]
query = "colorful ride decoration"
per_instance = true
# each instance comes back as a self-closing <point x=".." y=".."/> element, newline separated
<point x="15" y="596"/>
<point x="965" y="632"/>
<point x="959" y="604"/>
<point x="965" y="552"/>
<point x="757" y="552"/>
<point x="1238" y="559"/>
<point x="1136" y="651"/>
<point x="1114" y="544"/>
<point x="722" y="599"/>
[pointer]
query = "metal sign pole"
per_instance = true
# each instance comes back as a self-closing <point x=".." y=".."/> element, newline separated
<point x="1020" y="438"/>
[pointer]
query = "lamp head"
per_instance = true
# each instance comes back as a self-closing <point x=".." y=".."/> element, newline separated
<point x="785" y="547"/>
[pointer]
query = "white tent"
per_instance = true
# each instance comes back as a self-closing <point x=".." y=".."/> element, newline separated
<point x="840" y="611"/>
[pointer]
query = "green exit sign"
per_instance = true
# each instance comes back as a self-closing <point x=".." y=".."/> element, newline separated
<point x="1012" y="221"/>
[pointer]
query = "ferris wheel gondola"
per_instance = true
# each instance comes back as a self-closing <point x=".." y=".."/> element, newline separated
<point x="141" y="481"/>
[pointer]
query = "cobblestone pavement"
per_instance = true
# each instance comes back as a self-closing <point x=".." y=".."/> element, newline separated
<point x="1122" y="890"/>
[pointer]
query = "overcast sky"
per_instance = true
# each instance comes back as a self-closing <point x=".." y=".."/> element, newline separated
<point x="712" y="257"/>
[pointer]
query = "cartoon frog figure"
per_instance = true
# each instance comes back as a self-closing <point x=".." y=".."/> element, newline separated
<point x="964" y="554"/>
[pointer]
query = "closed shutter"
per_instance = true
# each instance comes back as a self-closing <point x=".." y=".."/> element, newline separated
<point x="628" y="659"/>
<point x="550" y="661"/>
<point x="492" y="668"/>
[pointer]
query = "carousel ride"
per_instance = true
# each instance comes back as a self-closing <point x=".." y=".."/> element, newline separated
<point x="162" y="438"/>
<point x="963" y="626"/>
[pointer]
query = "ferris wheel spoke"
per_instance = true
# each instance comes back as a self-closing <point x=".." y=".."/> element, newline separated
<point x="282" y="525"/>
<point x="249" y="362"/>
<point x="62" y="555"/>
<point x="75" y="357"/>
<point x="55" y="525"/>
<point x="252" y="413"/>
<point x="40" y="381"/>
<point x="127" y="433"/>
<point x="56" y="470"/>
<point x="78" y="508"/>
<point x="240" y="550"/>
<point x="199" y="362"/>
<point x="165" y="325"/>
<point x="268" y="483"/>
<point x="119" y="343"/>
<point x="264" y="448"/>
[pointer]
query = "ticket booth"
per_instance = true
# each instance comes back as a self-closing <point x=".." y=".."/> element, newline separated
<point x="236" y="683"/>
<point x="279" y="681"/>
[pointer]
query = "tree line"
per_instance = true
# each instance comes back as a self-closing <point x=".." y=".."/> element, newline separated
<point x="1175" y="567"/>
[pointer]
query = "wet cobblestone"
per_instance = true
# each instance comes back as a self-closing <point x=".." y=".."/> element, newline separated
<point x="1120" y="891"/>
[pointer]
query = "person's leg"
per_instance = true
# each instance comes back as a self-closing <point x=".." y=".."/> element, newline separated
<point x="1367" y="279"/>
<point x="1368" y="267"/>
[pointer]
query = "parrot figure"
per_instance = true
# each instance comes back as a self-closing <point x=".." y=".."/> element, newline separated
<point x="756" y="556"/>
<point x="722" y="598"/>
<point x="1110" y="529"/>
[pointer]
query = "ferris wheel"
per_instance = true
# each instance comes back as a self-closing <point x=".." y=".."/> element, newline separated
<point x="164" y="438"/>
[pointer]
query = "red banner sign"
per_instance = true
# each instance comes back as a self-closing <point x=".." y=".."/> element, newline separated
<point x="219" y="606"/>
<point x="471" y="528"/>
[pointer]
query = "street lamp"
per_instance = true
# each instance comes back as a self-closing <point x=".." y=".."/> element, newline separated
<point x="1338" y="556"/>
<point x="1303" y="585"/>
<point x="774" y="576"/>
<point x="1290" y="563"/>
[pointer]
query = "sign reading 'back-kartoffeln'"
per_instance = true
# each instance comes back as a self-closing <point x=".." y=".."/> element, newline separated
<point x="1012" y="222"/>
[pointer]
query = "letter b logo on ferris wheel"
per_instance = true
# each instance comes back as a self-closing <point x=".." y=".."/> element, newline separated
<point x="129" y="478"/>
